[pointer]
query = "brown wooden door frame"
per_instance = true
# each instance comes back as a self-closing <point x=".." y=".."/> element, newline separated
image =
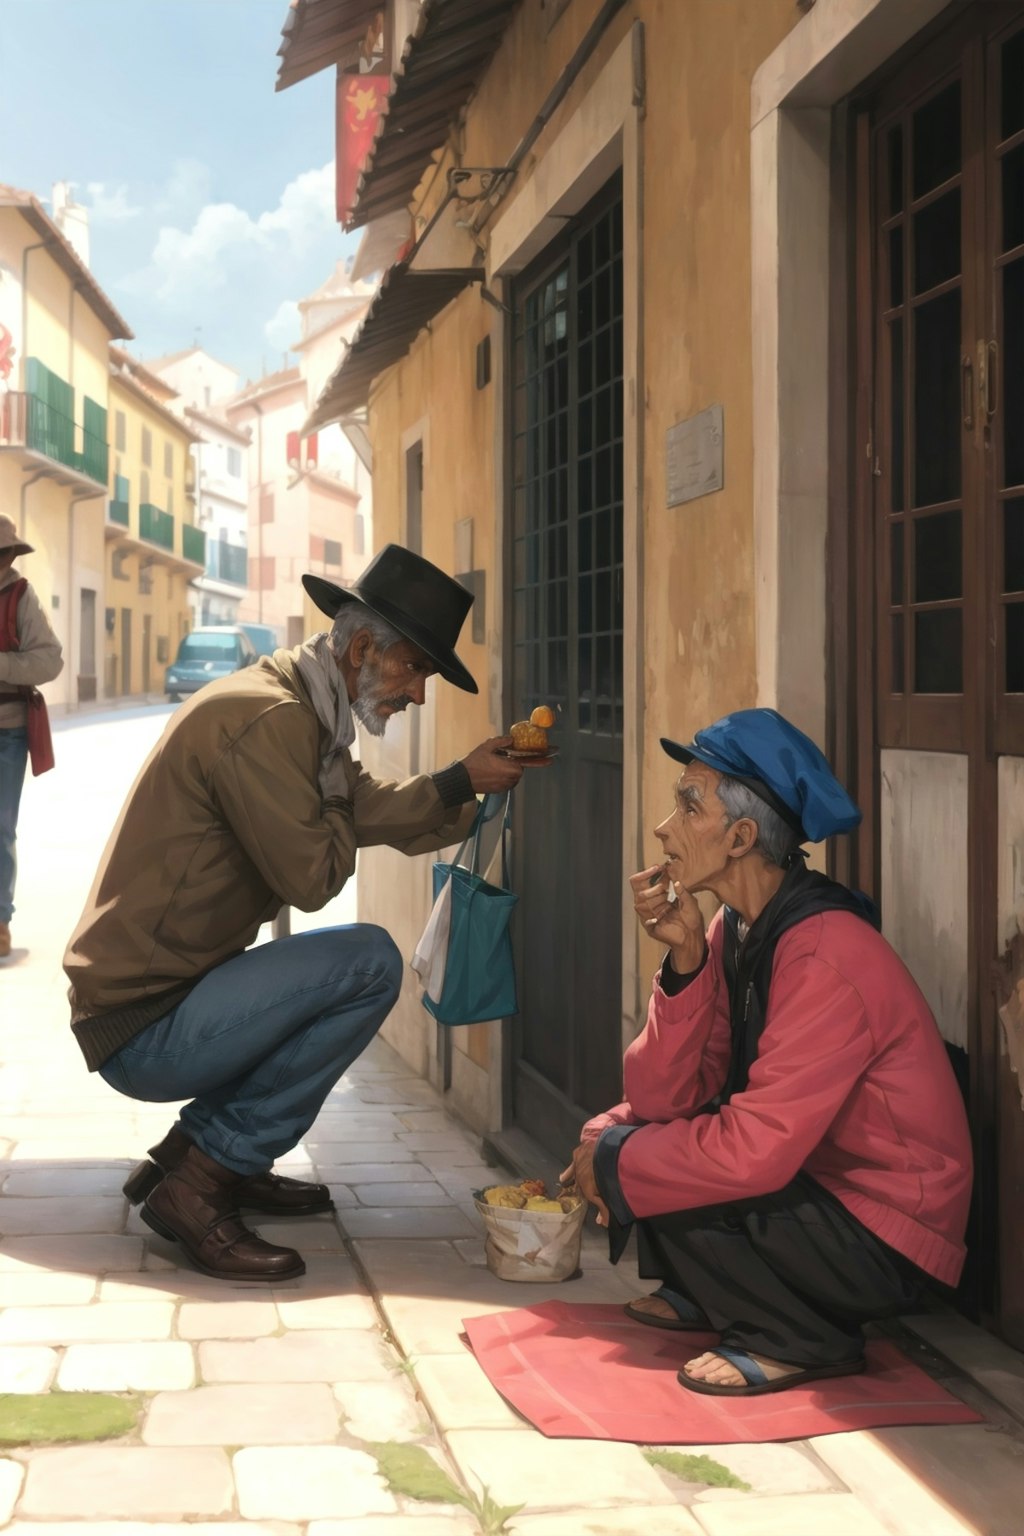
<point x="858" y="577"/>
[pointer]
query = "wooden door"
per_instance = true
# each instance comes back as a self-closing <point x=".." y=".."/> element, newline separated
<point x="941" y="268"/>
<point x="566" y="593"/>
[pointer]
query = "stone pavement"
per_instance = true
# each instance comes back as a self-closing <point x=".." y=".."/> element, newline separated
<point x="262" y="1409"/>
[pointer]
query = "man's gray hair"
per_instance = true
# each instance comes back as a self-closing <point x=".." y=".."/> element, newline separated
<point x="776" y="840"/>
<point x="350" y="619"/>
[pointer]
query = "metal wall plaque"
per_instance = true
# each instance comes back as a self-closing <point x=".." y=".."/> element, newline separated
<point x="694" y="456"/>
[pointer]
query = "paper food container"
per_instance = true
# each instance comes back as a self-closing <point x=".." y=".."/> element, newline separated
<point x="535" y="1246"/>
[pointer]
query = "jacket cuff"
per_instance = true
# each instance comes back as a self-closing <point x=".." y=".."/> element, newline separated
<point x="342" y="806"/>
<point x="672" y="983"/>
<point x="454" y="786"/>
<point x="606" y="1171"/>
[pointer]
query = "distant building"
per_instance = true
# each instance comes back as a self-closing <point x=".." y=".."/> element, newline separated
<point x="309" y="497"/>
<point x="56" y="326"/>
<point x="154" y="548"/>
<point x="221" y="475"/>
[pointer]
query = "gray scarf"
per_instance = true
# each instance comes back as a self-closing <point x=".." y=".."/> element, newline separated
<point x="322" y="676"/>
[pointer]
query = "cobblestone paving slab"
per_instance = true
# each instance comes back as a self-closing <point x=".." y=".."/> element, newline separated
<point x="128" y="1482"/>
<point x="236" y="1415"/>
<point x="381" y="1410"/>
<point x="649" y="1520"/>
<point x="812" y="1514"/>
<point x="916" y="1482"/>
<point x="161" y="1367"/>
<point x="517" y="1465"/>
<point x="11" y="1477"/>
<point x="26" y="1368"/>
<point x="311" y="1355"/>
<point x="310" y="1483"/>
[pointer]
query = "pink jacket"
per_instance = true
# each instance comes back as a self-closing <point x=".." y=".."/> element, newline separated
<point x="851" y="1085"/>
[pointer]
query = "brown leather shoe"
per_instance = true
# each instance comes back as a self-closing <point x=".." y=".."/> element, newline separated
<point x="5" y="940"/>
<point x="269" y="1192"/>
<point x="196" y="1206"/>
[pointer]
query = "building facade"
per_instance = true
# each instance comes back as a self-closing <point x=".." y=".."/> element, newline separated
<point x="703" y="374"/>
<point x="56" y="326"/>
<point x="220" y="458"/>
<point x="155" y="551"/>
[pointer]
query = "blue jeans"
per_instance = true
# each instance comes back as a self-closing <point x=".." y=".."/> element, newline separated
<point x="13" y="758"/>
<point x="260" y="1041"/>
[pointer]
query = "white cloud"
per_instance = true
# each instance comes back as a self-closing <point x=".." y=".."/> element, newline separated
<point x="110" y="206"/>
<point x="223" y="238"/>
<point x="283" y="328"/>
<point x="306" y="209"/>
<point x="188" y="187"/>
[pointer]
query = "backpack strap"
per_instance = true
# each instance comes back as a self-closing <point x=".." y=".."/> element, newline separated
<point x="10" y="597"/>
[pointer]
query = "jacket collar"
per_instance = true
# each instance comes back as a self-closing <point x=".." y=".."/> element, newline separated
<point x="9" y="577"/>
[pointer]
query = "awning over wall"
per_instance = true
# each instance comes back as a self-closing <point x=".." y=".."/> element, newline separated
<point x="443" y="61"/>
<point x="405" y="301"/>
<point x="319" y="33"/>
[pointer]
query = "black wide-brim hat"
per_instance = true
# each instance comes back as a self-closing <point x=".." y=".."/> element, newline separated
<point x="424" y="604"/>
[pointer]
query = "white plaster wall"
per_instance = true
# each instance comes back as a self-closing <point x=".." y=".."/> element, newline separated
<point x="924" y="876"/>
<point x="1011" y="849"/>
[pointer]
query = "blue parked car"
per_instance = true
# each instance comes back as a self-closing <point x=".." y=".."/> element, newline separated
<point x="205" y="654"/>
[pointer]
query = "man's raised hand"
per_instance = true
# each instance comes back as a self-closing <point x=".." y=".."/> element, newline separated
<point x="489" y="772"/>
<point x="678" y="924"/>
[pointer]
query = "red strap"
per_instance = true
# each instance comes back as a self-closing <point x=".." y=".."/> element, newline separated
<point x="10" y="597"/>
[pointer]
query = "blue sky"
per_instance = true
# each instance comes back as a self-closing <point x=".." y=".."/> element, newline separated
<point x="211" y="196"/>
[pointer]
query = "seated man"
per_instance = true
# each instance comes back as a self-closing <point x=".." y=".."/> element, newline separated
<point x="793" y="1147"/>
<point x="250" y="801"/>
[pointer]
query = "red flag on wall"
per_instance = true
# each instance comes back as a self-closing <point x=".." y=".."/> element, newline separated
<point x="359" y="102"/>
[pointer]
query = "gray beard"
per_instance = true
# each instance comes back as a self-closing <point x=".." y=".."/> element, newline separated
<point x="367" y="701"/>
<point x="365" y="711"/>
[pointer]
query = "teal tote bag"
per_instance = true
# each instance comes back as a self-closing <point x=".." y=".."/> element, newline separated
<point x="479" y="978"/>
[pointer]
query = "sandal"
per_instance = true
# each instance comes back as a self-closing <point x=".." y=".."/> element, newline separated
<point x="688" y="1319"/>
<point x="756" y="1383"/>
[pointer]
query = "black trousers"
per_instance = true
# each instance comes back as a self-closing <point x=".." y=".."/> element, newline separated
<point x="791" y="1275"/>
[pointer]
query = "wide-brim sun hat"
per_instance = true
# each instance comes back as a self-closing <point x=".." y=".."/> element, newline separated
<point x="9" y="539"/>
<point x="416" y="598"/>
<point x="779" y="764"/>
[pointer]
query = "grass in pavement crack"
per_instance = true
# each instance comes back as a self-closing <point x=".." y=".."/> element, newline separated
<point x="411" y="1470"/>
<point x="696" y="1469"/>
<point x="50" y="1418"/>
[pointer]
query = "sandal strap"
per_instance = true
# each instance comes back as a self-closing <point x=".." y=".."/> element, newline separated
<point x="749" y="1369"/>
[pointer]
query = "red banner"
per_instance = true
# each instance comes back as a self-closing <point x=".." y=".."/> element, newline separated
<point x="359" y="102"/>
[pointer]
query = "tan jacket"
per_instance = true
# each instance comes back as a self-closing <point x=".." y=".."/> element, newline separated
<point x="224" y="826"/>
<point x="37" y="660"/>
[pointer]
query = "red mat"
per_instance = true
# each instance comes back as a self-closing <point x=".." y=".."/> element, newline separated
<point x="588" y="1372"/>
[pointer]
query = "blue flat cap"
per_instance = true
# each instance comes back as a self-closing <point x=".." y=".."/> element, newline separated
<point x="780" y="764"/>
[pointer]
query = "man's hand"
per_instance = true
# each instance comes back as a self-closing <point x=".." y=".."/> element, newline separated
<point x="679" y="924"/>
<point x="489" y="772"/>
<point x="581" y="1169"/>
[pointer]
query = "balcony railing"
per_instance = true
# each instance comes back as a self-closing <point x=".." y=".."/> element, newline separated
<point x="119" y="505"/>
<point x="227" y="562"/>
<point x="26" y="421"/>
<point x="156" y="526"/>
<point x="193" y="544"/>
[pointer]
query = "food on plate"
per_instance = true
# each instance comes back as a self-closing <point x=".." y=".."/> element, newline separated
<point x="534" y="1187"/>
<point x="528" y="738"/>
<point x="538" y="1203"/>
<point x="532" y="735"/>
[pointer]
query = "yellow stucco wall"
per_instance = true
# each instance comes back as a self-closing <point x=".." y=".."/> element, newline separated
<point x="140" y="580"/>
<point x="55" y="324"/>
<point x="694" y="256"/>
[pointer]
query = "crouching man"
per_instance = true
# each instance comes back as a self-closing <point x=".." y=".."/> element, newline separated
<point x="251" y="801"/>
<point x="792" y="1148"/>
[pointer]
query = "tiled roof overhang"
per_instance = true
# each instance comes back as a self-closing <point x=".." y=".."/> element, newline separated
<point x="443" y="61"/>
<point x="405" y="301"/>
<point x="320" y="33"/>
